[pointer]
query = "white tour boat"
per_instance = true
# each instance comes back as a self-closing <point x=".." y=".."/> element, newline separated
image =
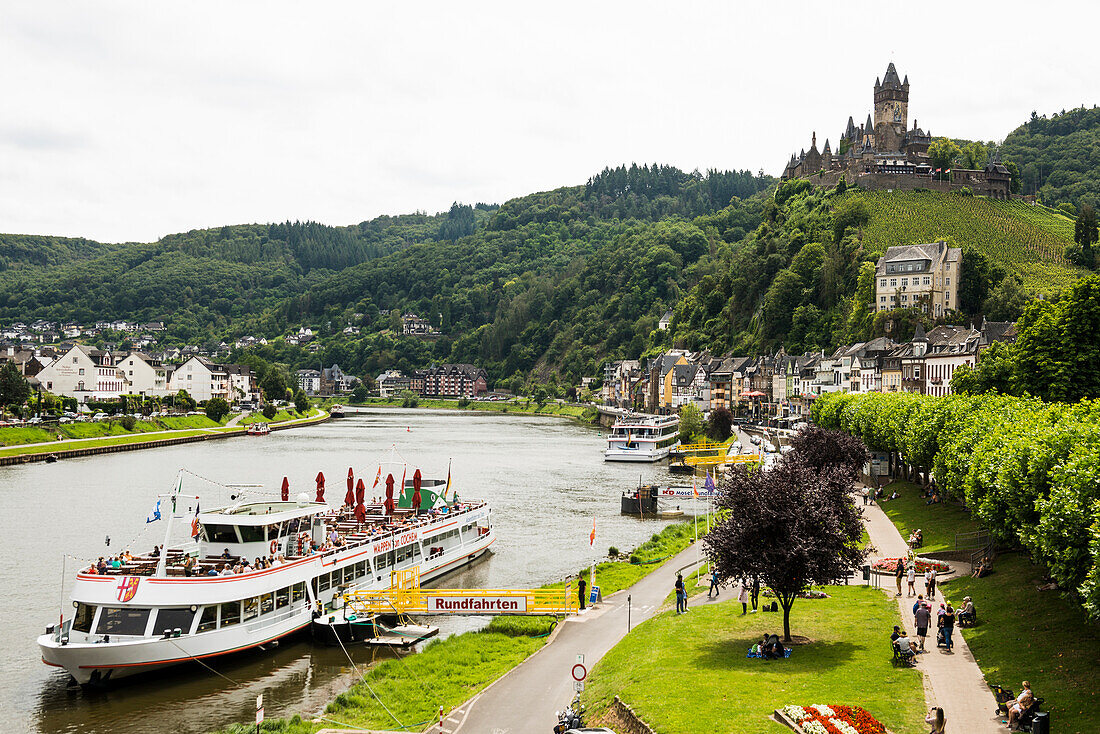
<point x="638" y="437"/>
<point x="184" y="605"/>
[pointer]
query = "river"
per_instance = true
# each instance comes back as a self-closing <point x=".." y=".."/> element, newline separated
<point x="545" y="478"/>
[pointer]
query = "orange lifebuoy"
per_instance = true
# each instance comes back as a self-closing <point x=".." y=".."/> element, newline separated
<point x="274" y="547"/>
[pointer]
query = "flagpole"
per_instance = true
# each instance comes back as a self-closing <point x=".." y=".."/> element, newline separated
<point x="163" y="562"/>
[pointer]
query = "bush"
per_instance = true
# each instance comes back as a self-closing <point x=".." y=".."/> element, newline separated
<point x="463" y="402"/>
<point x="613" y="552"/>
<point x="409" y="399"/>
<point x="216" y="409"/>
<point x="269" y="411"/>
<point x="128" y="422"/>
<point x="301" y="402"/>
<point x="965" y="191"/>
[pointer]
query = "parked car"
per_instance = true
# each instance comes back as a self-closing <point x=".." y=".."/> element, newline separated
<point x="100" y="416"/>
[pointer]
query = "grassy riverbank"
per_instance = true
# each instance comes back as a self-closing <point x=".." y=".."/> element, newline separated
<point x="938" y="523"/>
<point x="688" y="673"/>
<point x="448" y="672"/>
<point x="1023" y="633"/>
<point x="585" y="413"/>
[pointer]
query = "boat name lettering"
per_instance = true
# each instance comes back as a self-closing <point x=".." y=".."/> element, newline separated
<point x="388" y="544"/>
<point x="475" y="604"/>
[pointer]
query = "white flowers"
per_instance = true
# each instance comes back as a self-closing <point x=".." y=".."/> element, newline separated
<point x="824" y="710"/>
<point x="794" y="713"/>
<point x="813" y="726"/>
<point x="843" y="726"/>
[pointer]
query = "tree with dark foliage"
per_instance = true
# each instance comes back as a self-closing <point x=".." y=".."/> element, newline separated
<point x="790" y="527"/>
<point x="14" y="389"/>
<point x="824" y="449"/>
<point x="720" y="424"/>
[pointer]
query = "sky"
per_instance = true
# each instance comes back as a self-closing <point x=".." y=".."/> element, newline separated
<point x="127" y="121"/>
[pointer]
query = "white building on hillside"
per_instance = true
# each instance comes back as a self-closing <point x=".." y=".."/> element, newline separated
<point x="84" y="373"/>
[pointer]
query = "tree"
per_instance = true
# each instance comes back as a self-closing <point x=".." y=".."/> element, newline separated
<point x="720" y="424"/>
<point x="852" y="212"/>
<point x="301" y="402"/>
<point x="691" y="422"/>
<point x="823" y="449"/>
<point x="269" y="410"/>
<point x="1014" y="172"/>
<point x="14" y="389"/>
<point x="974" y="154"/>
<point x="943" y="153"/>
<point x="216" y="409"/>
<point x="994" y="372"/>
<point x="1085" y="232"/>
<point x="359" y="394"/>
<point x="977" y="275"/>
<point x="1006" y="301"/>
<point x="184" y="401"/>
<point x="790" y="527"/>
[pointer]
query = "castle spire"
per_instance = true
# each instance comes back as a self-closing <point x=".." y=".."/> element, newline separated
<point x="813" y="140"/>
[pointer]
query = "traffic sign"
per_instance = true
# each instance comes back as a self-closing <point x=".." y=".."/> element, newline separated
<point x="579" y="672"/>
<point x="578" y="686"/>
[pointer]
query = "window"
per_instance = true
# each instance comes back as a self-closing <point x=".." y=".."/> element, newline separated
<point x="74" y="360"/>
<point x="882" y="283"/>
<point x="324" y="582"/>
<point x="904" y="297"/>
<point x="82" y="620"/>
<point x="904" y="282"/>
<point x="947" y="281"/>
<point x="916" y="372"/>
<point x="282" y="597"/>
<point x="298" y="591"/>
<point x="209" y="619"/>
<point x="927" y="281"/>
<point x="893" y="282"/>
<point x="122" y="621"/>
<point x="231" y="613"/>
<point x="251" y="533"/>
<point x="172" y="619"/>
<point x="221" y="533"/>
<point x="251" y="608"/>
<point x="361" y="569"/>
<point x="267" y="603"/>
<point x="80" y="371"/>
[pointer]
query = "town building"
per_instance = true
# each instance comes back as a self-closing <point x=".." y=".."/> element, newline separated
<point x="925" y="277"/>
<point x="84" y="373"/>
<point x="392" y="383"/>
<point x="456" y="381"/>
<point x="309" y="381"/>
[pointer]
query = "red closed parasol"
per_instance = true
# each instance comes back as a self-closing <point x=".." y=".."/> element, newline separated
<point x="360" y="510"/>
<point x="320" y="487"/>
<point x="349" y="498"/>
<point x="389" y="494"/>
<point x="416" y="491"/>
<point x="360" y="492"/>
<point x="286" y="490"/>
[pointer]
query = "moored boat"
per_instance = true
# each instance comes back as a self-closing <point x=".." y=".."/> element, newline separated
<point x="205" y="598"/>
<point x="638" y="437"/>
<point x="258" y="429"/>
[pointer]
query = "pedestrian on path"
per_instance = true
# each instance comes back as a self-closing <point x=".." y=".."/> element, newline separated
<point x="921" y="618"/>
<point x="681" y="595"/>
<point x="932" y="580"/>
<point x="929" y="584"/>
<point x="743" y="597"/>
<point x="936" y="720"/>
<point x="755" y="594"/>
<point x="947" y="620"/>
<point x="713" y="583"/>
<point x="581" y="586"/>
<point x="899" y="574"/>
<point x="911" y="577"/>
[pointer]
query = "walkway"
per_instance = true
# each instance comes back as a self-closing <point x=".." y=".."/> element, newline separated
<point x="525" y="699"/>
<point x="953" y="680"/>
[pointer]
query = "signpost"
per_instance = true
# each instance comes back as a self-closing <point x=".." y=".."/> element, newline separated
<point x="259" y="712"/>
<point x="579" y="673"/>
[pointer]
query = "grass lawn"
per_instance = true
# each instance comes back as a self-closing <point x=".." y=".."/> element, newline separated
<point x="173" y="422"/>
<point x="584" y="413"/>
<point x="106" y="441"/>
<point x="688" y="674"/>
<point x="1026" y="634"/>
<point x="16" y="435"/>
<point x="939" y="523"/>
<point x="280" y="416"/>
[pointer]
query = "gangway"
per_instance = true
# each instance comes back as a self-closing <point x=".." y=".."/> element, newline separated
<point x="712" y="460"/>
<point x="406" y="596"/>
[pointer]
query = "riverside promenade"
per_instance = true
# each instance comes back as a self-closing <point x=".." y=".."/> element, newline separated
<point x="952" y="680"/>
<point x="525" y="698"/>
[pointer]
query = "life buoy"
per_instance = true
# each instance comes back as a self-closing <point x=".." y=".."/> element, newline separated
<point x="274" y="547"/>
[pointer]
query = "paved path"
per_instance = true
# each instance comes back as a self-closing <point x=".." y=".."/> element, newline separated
<point x="525" y="698"/>
<point x="953" y="681"/>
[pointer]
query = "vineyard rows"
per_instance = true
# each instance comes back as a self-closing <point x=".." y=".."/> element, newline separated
<point x="1028" y="240"/>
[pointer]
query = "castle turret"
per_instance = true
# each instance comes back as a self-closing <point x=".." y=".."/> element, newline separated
<point x="826" y="150"/>
<point x="891" y="110"/>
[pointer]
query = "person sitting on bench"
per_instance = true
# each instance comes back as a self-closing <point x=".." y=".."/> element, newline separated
<point x="967" y="613"/>
<point x="903" y="647"/>
<point x="1022" y="703"/>
<point x="984" y="568"/>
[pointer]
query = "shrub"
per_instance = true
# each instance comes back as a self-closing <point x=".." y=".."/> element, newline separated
<point x="463" y="402"/>
<point x="409" y="399"/>
<point x="216" y="409"/>
<point x="269" y="410"/>
<point x="613" y="552"/>
<point x="128" y="422"/>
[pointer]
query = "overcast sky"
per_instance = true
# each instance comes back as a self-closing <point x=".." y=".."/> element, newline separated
<point x="132" y="120"/>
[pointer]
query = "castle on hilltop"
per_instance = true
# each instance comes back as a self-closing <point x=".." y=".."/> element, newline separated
<point x="885" y="153"/>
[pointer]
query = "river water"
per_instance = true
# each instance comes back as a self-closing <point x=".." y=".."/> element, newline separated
<point x="545" y="478"/>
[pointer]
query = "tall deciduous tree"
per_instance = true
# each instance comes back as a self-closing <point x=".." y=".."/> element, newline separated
<point x="943" y="153"/>
<point x="790" y="527"/>
<point x="824" y="449"/>
<point x="14" y="389"/>
<point x="691" y="422"/>
<point x="720" y="424"/>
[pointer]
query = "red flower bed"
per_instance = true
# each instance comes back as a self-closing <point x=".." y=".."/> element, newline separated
<point x="810" y="719"/>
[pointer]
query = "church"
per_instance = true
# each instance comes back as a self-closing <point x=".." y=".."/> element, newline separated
<point x="885" y="153"/>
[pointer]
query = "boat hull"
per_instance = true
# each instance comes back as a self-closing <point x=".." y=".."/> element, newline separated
<point x="640" y="455"/>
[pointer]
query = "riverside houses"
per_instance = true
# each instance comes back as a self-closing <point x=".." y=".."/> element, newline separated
<point x="203" y="380"/>
<point x="456" y="381"/>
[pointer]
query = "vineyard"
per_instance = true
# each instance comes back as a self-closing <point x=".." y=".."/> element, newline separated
<point x="1028" y="240"/>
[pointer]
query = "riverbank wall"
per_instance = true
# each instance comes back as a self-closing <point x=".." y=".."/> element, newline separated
<point x="60" y="454"/>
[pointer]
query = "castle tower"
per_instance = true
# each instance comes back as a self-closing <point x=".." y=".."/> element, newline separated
<point x="891" y="110"/>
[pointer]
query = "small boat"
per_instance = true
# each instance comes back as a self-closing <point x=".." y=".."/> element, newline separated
<point x="337" y="411"/>
<point x="640" y="500"/>
<point x="386" y="630"/>
<point x="51" y="458"/>
<point x="258" y="429"/>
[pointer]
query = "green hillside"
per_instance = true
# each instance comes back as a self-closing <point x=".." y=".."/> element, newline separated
<point x="1025" y="239"/>
<point x="1059" y="156"/>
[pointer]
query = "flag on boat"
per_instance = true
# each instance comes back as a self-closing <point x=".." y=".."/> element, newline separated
<point x="447" y="489"/>
<point x="708" y="486"/>
<point x="156" y="514"/>
<point x="592" y="535"/>
<point x="195" y="522"/>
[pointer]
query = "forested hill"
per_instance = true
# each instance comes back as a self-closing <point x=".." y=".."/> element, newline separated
<point x="1059" y="156"/>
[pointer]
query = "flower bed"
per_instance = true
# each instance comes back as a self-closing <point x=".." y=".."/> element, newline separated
<point x="923" y="564"/>
<point x="807" y="594"/>
<point x="833" y="719"/>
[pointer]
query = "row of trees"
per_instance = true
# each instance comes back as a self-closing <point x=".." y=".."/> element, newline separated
<point x="1028" y="470"/>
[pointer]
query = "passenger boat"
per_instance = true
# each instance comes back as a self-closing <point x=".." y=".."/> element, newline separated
<point x="150" y="614"/>
<point x="639" y="437"/>
<point x="258" y="429"/>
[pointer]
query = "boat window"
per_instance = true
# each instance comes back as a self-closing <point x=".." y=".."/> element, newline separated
<point x="171" y="619"/>
<point x="82" y="620"/>
<point x="292" y="526"/>
<point x="324" y="581"/>
<point x="282" y="597"/>
<point x="267" y="603"/>
<point x="231" y="613"/>
<point x="122" y="621"/>
<point x="361" y="569"/>
<point x="298" y="591"/>
<point x="251" y="608"/>
<point x="251" y="533"/>
<point x="221" y="533"/>
<point x="209" y="619"/>
<point x="349" y="573"/>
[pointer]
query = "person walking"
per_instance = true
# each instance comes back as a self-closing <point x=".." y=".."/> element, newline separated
<point x="932" y="580"/>
<point x="921" y="617"/>
<point x="681" y="595"/>
<point x="743" y="597"/>
<point x="581" y="586"/>
<point x="947" y="621"/>
<point x="755" y="594"/>
<point x="928" y="584"/>
<point x="713" y="583"/>
<point x="911" y="577"/>
<point x="899" y="574"/>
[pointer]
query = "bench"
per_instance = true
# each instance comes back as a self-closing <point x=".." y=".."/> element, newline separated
<point x="1005" y="697"/>
<point x="968" y="620"/>
<point x="902" y="658"/>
